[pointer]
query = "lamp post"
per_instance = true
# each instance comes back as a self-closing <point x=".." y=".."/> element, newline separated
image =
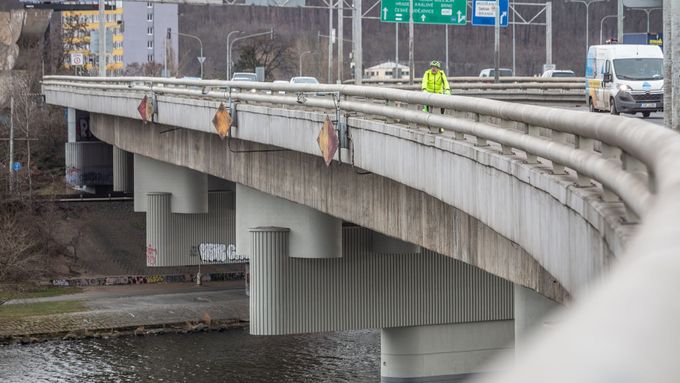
<point x="201" y="58"/>
<point x="231" y="45"/>
<point x="647" y="11"/>
<point x="602" y="25"/>
<point x="228" y="53"/>
<point x="587" y="4"/>
<point x="302" y="55"/>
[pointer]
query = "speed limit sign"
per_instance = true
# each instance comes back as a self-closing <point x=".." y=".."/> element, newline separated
<point x="77" y="59"/>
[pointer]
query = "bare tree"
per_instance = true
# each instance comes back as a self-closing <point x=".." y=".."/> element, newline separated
<point x="275" y="55"/>
<point x="19" y="246"/>
<point x="150" y="69"/>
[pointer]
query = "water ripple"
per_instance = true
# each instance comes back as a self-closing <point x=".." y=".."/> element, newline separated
<point x="232" y="356"/>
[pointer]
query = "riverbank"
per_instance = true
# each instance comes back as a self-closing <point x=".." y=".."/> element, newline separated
<point x="113" y="311"/>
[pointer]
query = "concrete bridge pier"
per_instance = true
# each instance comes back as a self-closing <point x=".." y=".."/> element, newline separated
<point x="532" y="315"/>
<point x="189" y="215"/>
<point x="123" y="172"/>
<point x="451" y="352"/>
<point x="313" y="234"/>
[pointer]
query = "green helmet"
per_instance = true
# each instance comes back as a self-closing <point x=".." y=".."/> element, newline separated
<point x="435" y="63"/>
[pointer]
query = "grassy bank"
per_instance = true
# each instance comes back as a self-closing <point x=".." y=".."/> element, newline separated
<point x="18" y="311"/>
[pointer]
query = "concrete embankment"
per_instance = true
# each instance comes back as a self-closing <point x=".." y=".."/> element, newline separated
<point x="111" y="311"/>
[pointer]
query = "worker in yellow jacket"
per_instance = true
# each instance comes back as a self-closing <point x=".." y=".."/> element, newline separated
<point x="434" y="81"/>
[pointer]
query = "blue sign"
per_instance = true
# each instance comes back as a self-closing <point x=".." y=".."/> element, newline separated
<point x="646" y="86"/>
<point x="16" y="166"/>
<point x="484" y="12"/>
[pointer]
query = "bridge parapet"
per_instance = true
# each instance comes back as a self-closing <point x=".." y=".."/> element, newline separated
<point x="616" y="155"/>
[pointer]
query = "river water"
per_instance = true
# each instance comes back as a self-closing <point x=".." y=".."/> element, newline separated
<point x="231" y="356"/>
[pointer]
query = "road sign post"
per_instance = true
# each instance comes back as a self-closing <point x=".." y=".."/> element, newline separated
<point x="450" y="12"/>
<point x="484" y="12"/>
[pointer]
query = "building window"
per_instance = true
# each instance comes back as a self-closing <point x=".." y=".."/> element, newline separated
<point x="149" y="58"/>
<point x="149" y="17"/>
<point x="149" y="31"/>
<point x="149" y="44"/>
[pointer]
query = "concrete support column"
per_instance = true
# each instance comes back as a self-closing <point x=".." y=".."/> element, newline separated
<point x="178" y="239"/>
<point x="71" y="124"/>
<point x="442" y="353"/>
<point x="312" y="234"/>
<point x="269" y="246"/>
<point x="123" y="172"/>
<point x="188" y="188"/>
<point x="159" y="228"/>
<point x="531" y="313"/>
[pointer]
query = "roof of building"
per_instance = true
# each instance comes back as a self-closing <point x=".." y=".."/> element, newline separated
<point x="387" y="65"/>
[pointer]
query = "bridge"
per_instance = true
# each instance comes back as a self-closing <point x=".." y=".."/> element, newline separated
<point x="453" y="233"/>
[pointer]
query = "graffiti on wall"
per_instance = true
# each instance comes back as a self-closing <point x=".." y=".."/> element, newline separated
<point x="144" y="279"/>
<point x="151" y="254"/>
<point x="218" y="253"/>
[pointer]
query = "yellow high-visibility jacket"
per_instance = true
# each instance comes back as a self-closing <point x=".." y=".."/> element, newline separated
<point x="435" y="83"/>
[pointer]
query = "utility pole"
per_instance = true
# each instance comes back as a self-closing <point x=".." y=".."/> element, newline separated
<point x="330" y="41"/>
<point x="548" y="34"/>
<point x="341" y="36"/>
<point x="497" y="42"/>
<point x="102" y="40"/>
<point x="514" y="40"/>
<point x="165" y="55"/>
<point x="356" y="42"/>
<point x="667" y="65"/>
<point x="675" y="59"/>
<point x="446" y="51"/>
<point x="619" y="21"/>
<point x="396" y="51"/>
<point x="411" y="63"/>
<point x="11" y="144"/>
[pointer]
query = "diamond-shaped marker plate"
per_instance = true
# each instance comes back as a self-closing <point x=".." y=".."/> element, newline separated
<point x="145" y="109"/>
<point x="328" y="141"/>
<point x="222" y="121"/>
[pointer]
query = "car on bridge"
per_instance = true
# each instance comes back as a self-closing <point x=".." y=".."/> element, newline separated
<point x="491" y="72"/>
<point x="244" y="76"/>
<point x="304" y="80"/>
<point x="558" y="73"/>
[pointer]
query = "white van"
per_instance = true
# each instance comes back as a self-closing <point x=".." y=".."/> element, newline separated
<point x="625" y="79"/>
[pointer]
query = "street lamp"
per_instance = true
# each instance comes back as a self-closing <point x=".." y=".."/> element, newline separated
<point x="231" y="44"/>
<point x="647" y="11"/>
<point x="229" y="53"/>
<point x="587" y="4"/>
<point x="602" y="25"/>
<point x="201" y="58"/>
<point x="302" y="55"/>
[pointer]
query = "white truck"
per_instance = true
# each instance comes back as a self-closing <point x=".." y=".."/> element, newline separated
<point x="625" y="79"/>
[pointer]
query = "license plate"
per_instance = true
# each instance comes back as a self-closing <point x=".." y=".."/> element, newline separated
<point x="648" y="105"/>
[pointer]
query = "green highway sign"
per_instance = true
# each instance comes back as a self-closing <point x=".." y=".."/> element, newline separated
<point x="452" y="12"/>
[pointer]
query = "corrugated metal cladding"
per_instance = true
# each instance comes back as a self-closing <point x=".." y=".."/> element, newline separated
<point x="173" y="239"/>
<point x="88" y="163"/>
<point x="364" y="289"/>
<point x="123" y="176"/>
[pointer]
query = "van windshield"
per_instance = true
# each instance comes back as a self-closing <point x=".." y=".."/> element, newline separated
<point x="639" y="69"/>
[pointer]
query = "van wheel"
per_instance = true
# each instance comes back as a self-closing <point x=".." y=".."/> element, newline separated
<point x="591" y="107"/>
<point x="645" y="114"/>
<point x="612" y="107"/>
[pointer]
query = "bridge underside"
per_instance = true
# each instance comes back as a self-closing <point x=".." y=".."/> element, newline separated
<point x="367" y="200"/>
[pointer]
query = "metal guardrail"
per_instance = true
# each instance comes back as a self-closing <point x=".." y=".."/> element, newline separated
<point x="625" y="328"/>
<point x="535" y="90"/>
<point x="473" y="79"/>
